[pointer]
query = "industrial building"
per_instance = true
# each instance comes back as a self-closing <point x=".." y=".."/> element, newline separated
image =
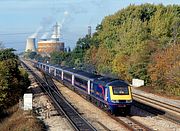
<point x="46" y="46"/>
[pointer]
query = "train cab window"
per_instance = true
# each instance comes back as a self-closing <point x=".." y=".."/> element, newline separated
<point x="120" y="90"/>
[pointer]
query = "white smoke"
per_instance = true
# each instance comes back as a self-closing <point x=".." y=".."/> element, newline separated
<point x="66" y="13"/>
<point x="45" y="35"/>
<point x="36" y="32"/>
<point x="46" y="21"/>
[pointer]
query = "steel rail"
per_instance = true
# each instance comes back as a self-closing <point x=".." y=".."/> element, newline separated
<point x="157" y="109"/>
<point x="76" y="120"/>
<point x="72" y="113"/>
<point x="157" y="102"/>
<point x="131" y="124"/>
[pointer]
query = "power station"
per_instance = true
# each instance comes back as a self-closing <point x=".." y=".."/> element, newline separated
<point x="46" y="46"/>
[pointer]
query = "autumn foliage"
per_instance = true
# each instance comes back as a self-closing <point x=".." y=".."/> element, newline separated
<point x="140" y="41"/>
<point x="164" y="69"/>
<point x="13" y="80"/>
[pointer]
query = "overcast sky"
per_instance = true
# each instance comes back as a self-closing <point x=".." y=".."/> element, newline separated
<point x="19" y="19"/>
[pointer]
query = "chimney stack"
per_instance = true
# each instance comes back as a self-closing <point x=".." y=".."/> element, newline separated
<point x="89" y="31"/>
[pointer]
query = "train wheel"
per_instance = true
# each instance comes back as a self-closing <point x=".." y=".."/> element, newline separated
<point x="93" y="100"/>
<point x="88" y="98"/>
<point x="98" y="104"/>
<point x="128" y="110"/>
<point x="102" y="105"/>
<point x="105" y="107"/>
<point x="110" y="110"/>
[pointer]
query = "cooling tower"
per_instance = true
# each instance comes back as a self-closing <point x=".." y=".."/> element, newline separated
<point x="30" y="45"/>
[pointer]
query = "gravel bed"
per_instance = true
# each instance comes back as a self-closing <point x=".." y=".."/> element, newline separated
<point x="155" y="122"/>
<point x="94" y="115"/>
<point x="55" y="122"/>
<point x="162" y="99"/>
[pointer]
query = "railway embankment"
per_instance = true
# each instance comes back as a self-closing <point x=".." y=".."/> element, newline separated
<point x="56" y="121"/>
<point x="173" y="104"/>
<point x="16" y="118"/>
<point x="157" y="97"/>
<point x="169" y="108"/>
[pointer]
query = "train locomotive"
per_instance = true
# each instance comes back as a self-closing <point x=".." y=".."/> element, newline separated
<point x="111" y="94"/>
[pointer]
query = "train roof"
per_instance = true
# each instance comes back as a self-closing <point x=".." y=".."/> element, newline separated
<point x="118" y="83"/>
<point x="81" y="73"/>
<point x="104" y="81"/>
<point x="107" y="81"/>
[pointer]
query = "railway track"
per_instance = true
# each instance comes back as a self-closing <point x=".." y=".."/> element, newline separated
<point x="162" y="109"/>
<point x="159" y="103"/>
<point x="128" y="122"/>
<point x="72" y="114"/>
<point x="132" y="124"/>
<point x="62" y="105"/>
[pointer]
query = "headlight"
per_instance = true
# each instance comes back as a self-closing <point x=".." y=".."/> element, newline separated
<point x="115" y="101"/>
<point x="129" y="101"/>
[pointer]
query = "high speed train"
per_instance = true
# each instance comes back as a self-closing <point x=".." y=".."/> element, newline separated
<point x="111" y="94"/>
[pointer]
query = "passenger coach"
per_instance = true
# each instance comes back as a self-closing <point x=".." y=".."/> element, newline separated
<point x="110" y="94"/>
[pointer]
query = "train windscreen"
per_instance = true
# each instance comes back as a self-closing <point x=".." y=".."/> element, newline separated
<point x="120" y="90"/>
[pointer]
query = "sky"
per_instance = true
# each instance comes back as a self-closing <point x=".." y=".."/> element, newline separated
<point x="20" y="19"/>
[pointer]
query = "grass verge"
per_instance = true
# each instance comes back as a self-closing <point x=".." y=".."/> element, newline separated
<point x="20" y="120"/>
<point x="159" y="92"/>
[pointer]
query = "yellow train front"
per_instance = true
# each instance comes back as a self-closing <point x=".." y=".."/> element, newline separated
<point x="115" y="94"/>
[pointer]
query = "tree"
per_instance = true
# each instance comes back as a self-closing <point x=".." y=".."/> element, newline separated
<point x="7" y="54"/>
<point x="164" y="70"/>
<point x="58" y="57"/>
<point x="126" y="42"/>
<point x="30" y="54"/>
<point x="12" y="82"/>
<point x="38" y="57"/>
